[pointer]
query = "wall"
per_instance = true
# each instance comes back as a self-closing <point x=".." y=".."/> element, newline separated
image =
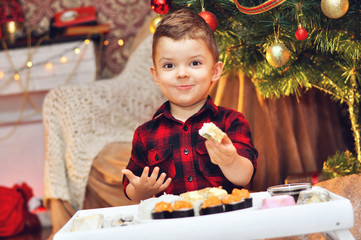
<point x="22" y="156"/>
<point x="21" y="129"/>
<point x="21" y="146"/>
<point x="124" y="16"/>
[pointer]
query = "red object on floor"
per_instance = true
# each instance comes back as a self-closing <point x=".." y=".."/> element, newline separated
<point x="15" y="217"/>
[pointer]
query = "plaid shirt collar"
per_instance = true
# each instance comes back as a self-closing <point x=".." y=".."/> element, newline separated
<point x="164" y="110"/>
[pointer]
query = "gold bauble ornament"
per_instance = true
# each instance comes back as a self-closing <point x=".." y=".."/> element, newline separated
<point x="334" y="8"/>
<point x="153" y="24"/>
<point x="277" y="55"/>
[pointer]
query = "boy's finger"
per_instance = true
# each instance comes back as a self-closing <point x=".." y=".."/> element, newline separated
<point x="154" y="175"/>
<point x="145" y="174"/>
<point x="129" y="174"/>
<point x="213" y="153"/>
<point x="165" y="184"/>
<point x="160" y="180"/>
<point x="226" y="140"/>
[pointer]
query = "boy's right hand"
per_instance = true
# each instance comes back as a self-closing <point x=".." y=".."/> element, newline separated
<point x="143" y="187"/>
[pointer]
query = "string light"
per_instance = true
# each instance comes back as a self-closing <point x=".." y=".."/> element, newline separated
<point x="76" y="50"/>
<point x="120" y="42"/>
<point x="47" y="63"/>
<point x="11" y="27"/>
<point x="49" y="66"/>
<point x="14" y="71"/>
<point x="17" y="76"/>
<point x="63" y="59"/>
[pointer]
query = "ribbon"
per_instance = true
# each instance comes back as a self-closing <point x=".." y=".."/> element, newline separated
<point x="264" y="7"/>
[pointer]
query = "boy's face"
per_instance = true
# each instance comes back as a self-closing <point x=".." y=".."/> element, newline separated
<point x="185" y="70"/>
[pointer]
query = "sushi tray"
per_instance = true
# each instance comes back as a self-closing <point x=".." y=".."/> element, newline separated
<point x="277" y="212"/>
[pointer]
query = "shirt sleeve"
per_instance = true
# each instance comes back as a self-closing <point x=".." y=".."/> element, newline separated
<point x="237" y="129"/>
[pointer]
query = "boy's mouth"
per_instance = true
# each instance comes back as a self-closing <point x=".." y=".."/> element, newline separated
<point x="184" y="87"/>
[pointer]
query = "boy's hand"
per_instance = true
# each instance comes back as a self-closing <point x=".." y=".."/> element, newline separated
<point x="236" y="169"/>
<point x="223" y="153"/>
<point x="143" y="187"/>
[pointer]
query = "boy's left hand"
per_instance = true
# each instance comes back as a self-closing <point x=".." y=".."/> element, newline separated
<point x="223" y="153"/>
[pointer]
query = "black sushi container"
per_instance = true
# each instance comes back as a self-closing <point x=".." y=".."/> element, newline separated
<point x="211" y="210"/>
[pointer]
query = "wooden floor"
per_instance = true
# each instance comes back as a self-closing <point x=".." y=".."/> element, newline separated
<point x="42" y="235"/>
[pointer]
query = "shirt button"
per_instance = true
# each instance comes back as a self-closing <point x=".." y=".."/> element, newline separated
<point x="186" y="151"/>
<point x="185" y="128"/>
<point x="190" y="178"/>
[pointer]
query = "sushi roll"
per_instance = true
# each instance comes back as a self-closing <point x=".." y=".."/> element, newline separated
<point x="248" y="202"/>
<point x="245" y="195"/>
<point x="233" y="202"/>
<point x="211" y="205"/>
<point x="162" y="210"/>
<point x="182" y="208"/>
<point x="211" y="131"/>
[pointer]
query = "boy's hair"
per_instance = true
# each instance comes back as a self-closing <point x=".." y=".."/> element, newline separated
<point x="185" y="24"/>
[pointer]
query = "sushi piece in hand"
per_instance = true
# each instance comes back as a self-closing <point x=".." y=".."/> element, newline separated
<point x="211" y="131"/>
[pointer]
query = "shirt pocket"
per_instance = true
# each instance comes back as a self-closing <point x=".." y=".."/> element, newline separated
<point x="206" y="167"/>
<point x="162" y="157"/>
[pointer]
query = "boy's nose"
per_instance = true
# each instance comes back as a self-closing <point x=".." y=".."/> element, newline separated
<point x="182" y="72"/>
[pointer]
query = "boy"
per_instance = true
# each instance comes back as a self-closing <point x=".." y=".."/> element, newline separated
<point x="168" y="154"/>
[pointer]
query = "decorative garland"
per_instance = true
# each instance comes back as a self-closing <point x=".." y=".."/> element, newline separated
<point x="26" y="97"/>
<point x="264" y="7"/>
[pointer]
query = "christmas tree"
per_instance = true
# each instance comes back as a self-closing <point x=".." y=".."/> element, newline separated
<point x="290" y="46"/>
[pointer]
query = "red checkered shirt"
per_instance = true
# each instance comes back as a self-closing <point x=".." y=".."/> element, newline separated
<point x="179" y="151"/>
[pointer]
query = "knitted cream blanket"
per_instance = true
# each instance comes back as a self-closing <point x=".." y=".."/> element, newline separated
<point x="80" y="119"/>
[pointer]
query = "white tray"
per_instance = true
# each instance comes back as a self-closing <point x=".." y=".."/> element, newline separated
<point x="333" y="218"/>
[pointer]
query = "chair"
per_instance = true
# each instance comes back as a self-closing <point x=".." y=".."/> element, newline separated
<point x="81" y="119"/>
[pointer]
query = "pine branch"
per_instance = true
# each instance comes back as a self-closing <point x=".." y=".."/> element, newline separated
<point x="329" y="59"/>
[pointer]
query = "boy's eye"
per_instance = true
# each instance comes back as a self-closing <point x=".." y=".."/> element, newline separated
<point x="168" y="65"/>
<point x="195" y="63"/>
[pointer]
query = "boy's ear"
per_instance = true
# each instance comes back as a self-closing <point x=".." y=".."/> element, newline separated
<point x="154" y="74"/>
<point x="217" y="71"/>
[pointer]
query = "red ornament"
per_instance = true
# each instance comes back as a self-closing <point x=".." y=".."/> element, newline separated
<point x="210" y="18"/>
<point x="301" y="33"/>
<point x="161" y="6"/>
<point x="10" y="10"/>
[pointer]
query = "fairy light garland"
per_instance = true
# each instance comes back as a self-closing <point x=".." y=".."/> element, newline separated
<point x="48" y="63"/>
